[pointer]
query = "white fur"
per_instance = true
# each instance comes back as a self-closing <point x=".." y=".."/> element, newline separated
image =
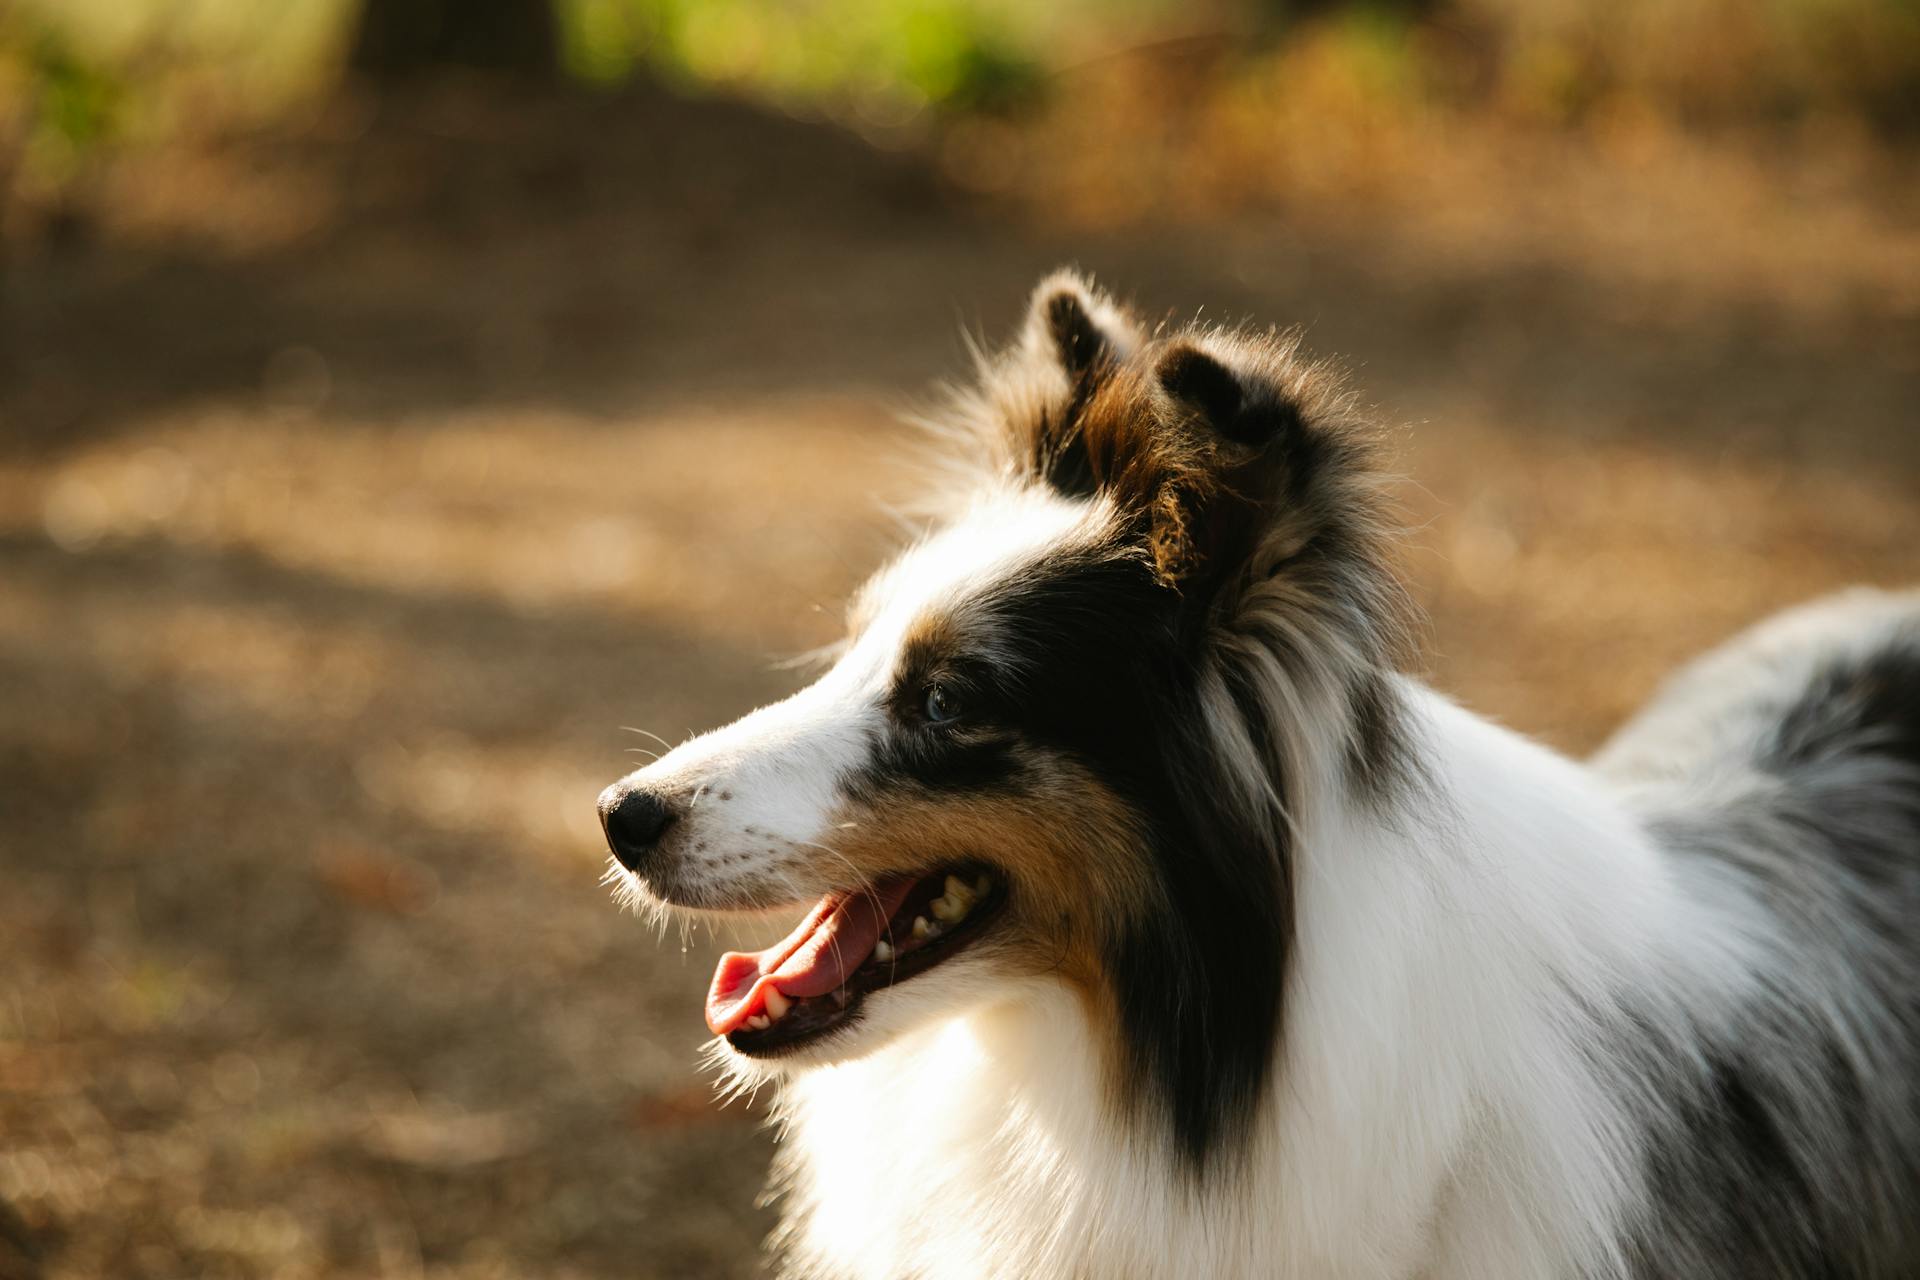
<point x="1433" y="1115"/>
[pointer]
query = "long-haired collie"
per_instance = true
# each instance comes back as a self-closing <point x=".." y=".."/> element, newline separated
<point x="1153" y="923"/>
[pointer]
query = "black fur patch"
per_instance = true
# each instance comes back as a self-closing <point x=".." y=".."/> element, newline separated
<point x="1109" y="679"/>
<point x="1078" y="340"/>
<point x="1065" y="464"/>
<point x="1196" y="379"/>
<point x="1380" y="763"/>
<point x="1088" y="356"/>
<point x="1871" y="706"/>
<point x="1089" y="661"/>
<point x="1734" y="1200"/>
<point x="1199" y="982"/>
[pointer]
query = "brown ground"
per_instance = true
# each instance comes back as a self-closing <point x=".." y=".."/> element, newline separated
<point x="355" y="492"/>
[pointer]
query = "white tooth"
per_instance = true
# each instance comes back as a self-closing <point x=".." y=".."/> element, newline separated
<point x="946" y="910"/>
<point x="959" y="893"/>
<point x="758" y="1022"/>
<point x="777" y="1004"/>
<point x="883" y="951"/>
<point x="921" y="929"/>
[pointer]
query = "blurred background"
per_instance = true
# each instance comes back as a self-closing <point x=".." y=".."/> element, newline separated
<point x="400" y="400"/>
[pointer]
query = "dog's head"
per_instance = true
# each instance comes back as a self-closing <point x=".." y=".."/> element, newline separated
<point x="1068" y="732"/>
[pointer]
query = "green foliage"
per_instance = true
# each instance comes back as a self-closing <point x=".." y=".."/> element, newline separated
<point x="885" y="61"/>
<point x="884" y="58"/>
<point x="1376" y="39"/>
<point x="79" y="102"/>
<point x="57" y="106"/>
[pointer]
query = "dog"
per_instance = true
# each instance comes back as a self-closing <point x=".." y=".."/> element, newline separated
<point x="1161" y="926"/>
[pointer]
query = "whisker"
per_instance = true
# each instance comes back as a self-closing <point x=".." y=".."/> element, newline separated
<point x="648" y="733"/>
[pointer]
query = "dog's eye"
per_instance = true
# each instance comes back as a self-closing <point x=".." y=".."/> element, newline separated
<point x="942" y="705"/>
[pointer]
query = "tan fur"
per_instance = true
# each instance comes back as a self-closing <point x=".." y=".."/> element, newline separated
<point x="1068" y="850"/>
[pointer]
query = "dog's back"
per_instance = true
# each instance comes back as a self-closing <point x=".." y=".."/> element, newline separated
<point x="1782" y="772"/>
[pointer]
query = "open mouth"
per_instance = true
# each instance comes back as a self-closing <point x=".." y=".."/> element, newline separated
<point x="769" y="1002"/>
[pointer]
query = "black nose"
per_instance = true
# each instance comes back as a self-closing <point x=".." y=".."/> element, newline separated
<point x="634" y="820"/>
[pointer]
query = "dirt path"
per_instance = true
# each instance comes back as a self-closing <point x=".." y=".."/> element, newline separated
<point x="332" y="567"/>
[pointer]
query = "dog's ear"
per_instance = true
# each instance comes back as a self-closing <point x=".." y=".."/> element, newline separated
<point x="1077" y="328"/>
<point x="1074" y="339"/>
<point x="1238" y="410"/>
<point x="1242" y="466"/>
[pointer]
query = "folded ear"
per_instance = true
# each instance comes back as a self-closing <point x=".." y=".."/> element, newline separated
<point x="1252" y="468"/>
<point x="1246" y="411"/>
<point x="1071" y="324"/>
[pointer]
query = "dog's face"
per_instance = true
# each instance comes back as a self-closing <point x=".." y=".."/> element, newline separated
<point x="952" y="793"/>
<point x="1033" y="761"/>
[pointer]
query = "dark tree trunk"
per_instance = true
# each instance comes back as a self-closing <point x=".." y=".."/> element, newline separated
<point x="396" y="39"/>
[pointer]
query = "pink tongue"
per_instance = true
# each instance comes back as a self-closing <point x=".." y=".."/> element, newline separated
<point x="835" y="939"/>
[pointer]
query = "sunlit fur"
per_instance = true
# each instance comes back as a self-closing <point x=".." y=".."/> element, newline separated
<point x="1306" y="971"/>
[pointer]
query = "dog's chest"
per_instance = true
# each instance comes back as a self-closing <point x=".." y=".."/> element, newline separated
<point x="947" y="1155"/>
<point x="987" y="1147"/>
